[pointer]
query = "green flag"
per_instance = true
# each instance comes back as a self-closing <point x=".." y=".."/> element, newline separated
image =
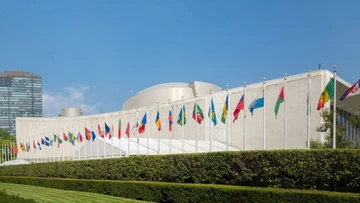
<point x="279" y="101"/>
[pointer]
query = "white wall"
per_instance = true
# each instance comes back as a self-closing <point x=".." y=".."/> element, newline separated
<point x="29" y="129"/>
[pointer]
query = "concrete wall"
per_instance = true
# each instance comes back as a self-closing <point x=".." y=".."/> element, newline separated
<point x="29" y="129"/>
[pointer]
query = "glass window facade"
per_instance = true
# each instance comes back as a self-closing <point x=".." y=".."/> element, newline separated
<point x="20" y="96"/>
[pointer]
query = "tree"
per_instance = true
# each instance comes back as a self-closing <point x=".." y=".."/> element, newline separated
<point x="327" y="126"/>
<point x="355" y="120"/>
<point x="4" y="134"/>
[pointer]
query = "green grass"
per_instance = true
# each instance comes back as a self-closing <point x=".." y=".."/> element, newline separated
<point x="42" y="194"/>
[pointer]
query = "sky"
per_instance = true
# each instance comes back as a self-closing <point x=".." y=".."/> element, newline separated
<point x="95" y="54"/>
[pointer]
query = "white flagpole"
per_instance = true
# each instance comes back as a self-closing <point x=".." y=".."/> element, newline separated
<point x="228" y="119"/>
<point x="97" y="140"/>
<point x="196" y="118"/>
<point x="91" y="140"/>
<point x="169" y="129"/>
<point x="183" y="124"/>
<point x="285" y="101"/>
<point x="136" y="131"/>
<point x="73" y="129"/>
<point x="85" y="140"/>
<point x="244" y="94"/>
<point x="158" y="129"/>
<point x="334" y="110"/>
<point x="79" y="142"/>
<point x="119" y="129"/>
<point x="104" y="139"/>
<point x="308" y="112"/>
<point x="147" y="133"/>
<point x="112" y="135"/>
<point x="264" y="129"/>
<point x="128" y="115"/>
<point x="210" y="108"/>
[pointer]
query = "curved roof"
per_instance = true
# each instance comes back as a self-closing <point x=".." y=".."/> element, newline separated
<point x="165" y="85"/>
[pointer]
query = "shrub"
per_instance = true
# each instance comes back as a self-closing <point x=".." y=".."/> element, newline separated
<point x="4" y="197"/>
<point x="323" y="169"/>
<point x="181" y="192"/>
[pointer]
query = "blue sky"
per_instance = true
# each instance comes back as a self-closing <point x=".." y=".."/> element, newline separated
<point x="98" y="53"/>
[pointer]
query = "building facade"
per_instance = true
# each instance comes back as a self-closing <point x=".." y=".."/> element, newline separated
<point x="259" y="130"/>
<point x="20" y="96"/>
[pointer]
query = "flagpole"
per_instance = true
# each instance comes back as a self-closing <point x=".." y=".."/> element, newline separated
<point x="229" y="117"/>
<point x="210" y="108"/>
<point x="147" y="133"/>
<point x="91" y="140"/>
<point x="244" y="94"/>
<point x="129" y="132"/>
<point x="104" y="132"/>
<point x="334" y="110"/>
<point x="136" y="131"/>
<point x="309" y="112"/>
<point x="119" y="135"/>
<point x="79" y="141"/>
<point x="158" y="129"/>
<point x="183" y="124"/>
<point x="112" y="136"/>
<point x="73" y="129"/>
<point x="196" y="118"/>
<point x="228" y="120"/>
<point x="97" y="140"/>
<point x="285" y="101"/>
<point x="169" y="128"/>
<point x="264" y="129"/>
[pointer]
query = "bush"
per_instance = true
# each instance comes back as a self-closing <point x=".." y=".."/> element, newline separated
<point x="4" y="197"/>
<point x="323" y="169"/>
<point x="180" y="192"/>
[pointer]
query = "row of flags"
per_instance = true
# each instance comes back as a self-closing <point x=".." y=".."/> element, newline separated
<point x="197" y="115"/>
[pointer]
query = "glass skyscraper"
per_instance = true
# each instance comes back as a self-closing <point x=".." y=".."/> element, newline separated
<point x="20" y="96"/>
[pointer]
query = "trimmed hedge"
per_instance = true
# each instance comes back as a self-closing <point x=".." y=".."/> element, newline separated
<point x="182" y="193"/>
<point x="4" y="197"/>
<point x="333" y="170"/>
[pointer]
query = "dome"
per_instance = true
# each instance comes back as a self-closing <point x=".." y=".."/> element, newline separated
<point x="174" y="91"/>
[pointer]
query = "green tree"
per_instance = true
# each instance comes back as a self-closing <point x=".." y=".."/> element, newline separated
<point x="327" y="126"/>
<point x="6" y="139"/>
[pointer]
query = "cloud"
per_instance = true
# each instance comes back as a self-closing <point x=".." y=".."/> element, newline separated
<point x="69" y="97"/>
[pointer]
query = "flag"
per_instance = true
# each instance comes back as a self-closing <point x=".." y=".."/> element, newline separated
<point x="213" y="115"/>
<point x="199" y="113"/>
<point x="142" y="124"/>
<point x="34" y="145"/>
<point x="79" y="137"/>
<point x="65" y="137"/>
<point x="257" y="103"/>
<point x="72" y="138"/>
<point x="111" y="132"/>
<point x="107" y="130"/>
<point x="157" y="121"/>
<point x="182" y="119"/>
<point x="87" y="134"/>
<point x="225" y="109"/>
<point x="93" y="135"/>
<point x="127" y="131"/>
<point x="47" y="142"/>
<point x="16" y="150"/>
<point x="100" y="131"/>
<point x="59" y="142"/>
<point x="327" y="94"/>
<point x="55" y="137"/>
<point x="119" y="129"/>
<point x="170" y="120"/>
<point x="39" y="145"/>
<point x="239" y="107"/>
<point x="279" y="101"/>
<point x="353" y="90"/>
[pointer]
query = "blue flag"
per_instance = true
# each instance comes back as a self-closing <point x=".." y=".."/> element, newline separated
<point x="257" y="103"/>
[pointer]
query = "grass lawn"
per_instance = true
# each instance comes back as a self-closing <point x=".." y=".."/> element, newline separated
<point x="43" y="194"/>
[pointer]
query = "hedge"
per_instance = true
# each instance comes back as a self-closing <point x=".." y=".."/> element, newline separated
<point x="4" y="197"/>
<point x="182" y="192"/>
<point x="333" y="170"/>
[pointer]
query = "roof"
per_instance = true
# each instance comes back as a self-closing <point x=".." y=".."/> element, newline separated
<point x="20" y="74"/>
<point x="165" y="85"/>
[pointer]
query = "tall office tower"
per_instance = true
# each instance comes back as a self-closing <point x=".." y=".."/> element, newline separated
<point x="20" y="96"/>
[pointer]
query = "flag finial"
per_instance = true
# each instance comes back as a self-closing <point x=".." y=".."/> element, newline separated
<point x="335" y="68"/>
<point x="210" y="91"/>
<point x="245" y="83"/>
<point x="227" y="87"/>
<point x="196" y="94"/>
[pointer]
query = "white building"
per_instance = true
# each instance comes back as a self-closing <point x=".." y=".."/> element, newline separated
<point x="247" y="132"/>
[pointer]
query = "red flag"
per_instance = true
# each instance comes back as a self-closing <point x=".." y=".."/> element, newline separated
<point x="87" y="134"/>
<point x="111" y="132"/>
<point x="239" y="107"/>
<point x="127" y="131"/>
<point x="119" y="129"/>
<point x="65" y="137"/>
<point x="100" y="131"/>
